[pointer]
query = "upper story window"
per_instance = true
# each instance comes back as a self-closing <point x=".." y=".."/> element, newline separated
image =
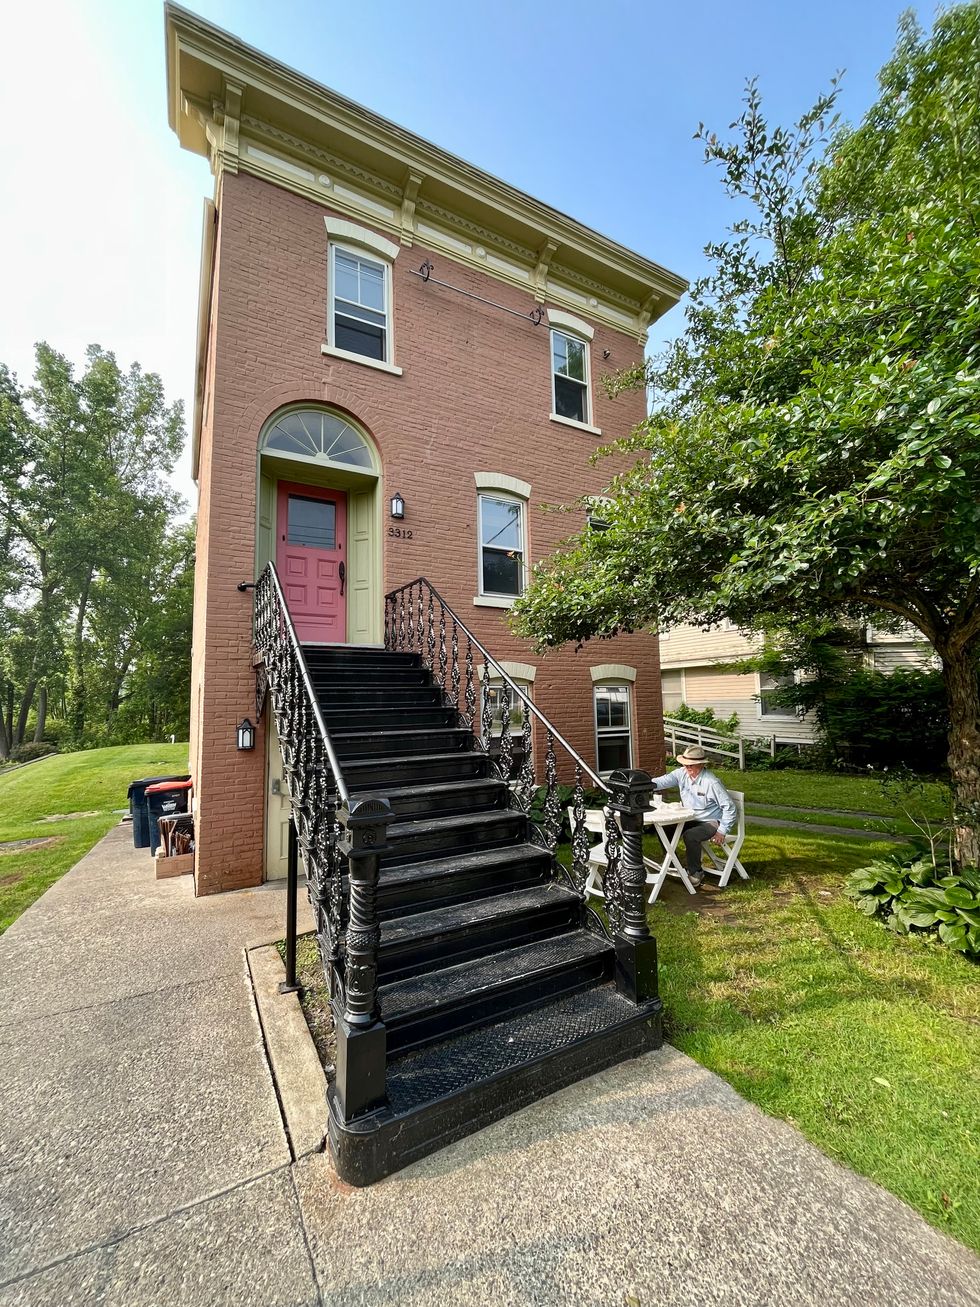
<point x="360" y="325"/>
<point x="570" y="377"/>
<point x="360" y="304"/>
<point x="769" y="682"/>
<point x="501" y="546"/>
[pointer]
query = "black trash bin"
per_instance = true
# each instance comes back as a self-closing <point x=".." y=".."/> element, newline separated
<point x="162" y="800"/>
<point x="137" y="806"/>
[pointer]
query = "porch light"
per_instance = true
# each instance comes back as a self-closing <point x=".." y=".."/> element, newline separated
<point x="397" y="507"/>
<point x="246" y="734"/>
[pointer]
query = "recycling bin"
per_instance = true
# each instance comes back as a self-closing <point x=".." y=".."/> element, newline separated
<point x="137" y="807"/>
<point x="163" y="800"/>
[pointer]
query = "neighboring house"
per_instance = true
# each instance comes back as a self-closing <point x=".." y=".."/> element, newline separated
<point x="693" y="665"/>
<point x="380" y="320"/>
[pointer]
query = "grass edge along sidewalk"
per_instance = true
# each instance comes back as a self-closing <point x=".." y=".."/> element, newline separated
<point x="93" y="782"/>
<point x="868" y="1042"/>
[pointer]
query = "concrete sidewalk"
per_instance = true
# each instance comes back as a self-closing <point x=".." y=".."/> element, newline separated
<point x="144" y="1161"/>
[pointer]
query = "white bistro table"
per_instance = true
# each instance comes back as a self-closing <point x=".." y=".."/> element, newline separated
<point x="668" y="819"/>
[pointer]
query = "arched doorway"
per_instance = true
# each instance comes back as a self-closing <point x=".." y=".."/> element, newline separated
<point x="318" y="506"/>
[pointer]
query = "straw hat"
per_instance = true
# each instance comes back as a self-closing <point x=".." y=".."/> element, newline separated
<point x="693" y="756"/>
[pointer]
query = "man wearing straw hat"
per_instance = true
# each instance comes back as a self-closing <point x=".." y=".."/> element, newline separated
<point x="713" y="807"/>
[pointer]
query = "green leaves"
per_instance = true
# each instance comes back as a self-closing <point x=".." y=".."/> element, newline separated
<point x="912" y="897"/>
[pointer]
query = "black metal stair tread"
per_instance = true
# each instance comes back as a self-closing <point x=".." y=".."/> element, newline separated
<point x="462" y="788"/>
<point x="460" y="863"/>
<point x="385" y="732"/>
<point x="455" y="1065"/>
<point x="411" y="827"/>
<point x="400" y="760"/>
<point x="434" y="988"/>
<point x="456" y="916"/>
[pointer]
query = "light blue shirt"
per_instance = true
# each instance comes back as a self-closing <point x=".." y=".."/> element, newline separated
<point x="704" y="795"/>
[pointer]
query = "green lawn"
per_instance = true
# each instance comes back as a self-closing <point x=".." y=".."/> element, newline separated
<point x="93" y="782"/>
<point x="868" y="1042"/>
<point x="796" y="789"/>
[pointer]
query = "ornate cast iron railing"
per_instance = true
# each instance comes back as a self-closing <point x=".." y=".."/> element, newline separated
<point x="335" y="835"/>
<point x="419" y="620"/>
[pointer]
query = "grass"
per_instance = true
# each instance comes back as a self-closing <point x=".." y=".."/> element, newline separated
<point x="797" y="789"/>
<point x="883" y="825"/>
<point x="867" y="1042"/>
<point x="93" y="782"/>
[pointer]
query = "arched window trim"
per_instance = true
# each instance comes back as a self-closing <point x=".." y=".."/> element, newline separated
<point x="319" y="457"/>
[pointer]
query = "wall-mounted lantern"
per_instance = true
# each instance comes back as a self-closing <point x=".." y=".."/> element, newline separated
<point x="397" y="507"/>
<point x="246" y="734"/>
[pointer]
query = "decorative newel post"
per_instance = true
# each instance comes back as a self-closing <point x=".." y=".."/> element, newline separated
<point x="361" y="1039"/>
<point x="636" y="949"/>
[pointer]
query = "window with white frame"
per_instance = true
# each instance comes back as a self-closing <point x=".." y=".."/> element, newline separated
<point x="501" y="527"/>
<point x="613" y="732"/>
<point x="769" y="682"/>
<point x="360" y="299"/>
<point x="570" y="377"/>
<point x="497" y="695"/>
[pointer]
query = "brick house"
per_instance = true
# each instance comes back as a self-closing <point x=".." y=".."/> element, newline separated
<point x="379" y="318"/>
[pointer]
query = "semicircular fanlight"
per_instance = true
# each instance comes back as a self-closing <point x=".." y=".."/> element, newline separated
<point x="318" y="435"/>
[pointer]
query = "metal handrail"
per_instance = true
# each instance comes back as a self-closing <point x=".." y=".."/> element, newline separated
<point x="304" y="670"/>
<point x="515" y="688"/>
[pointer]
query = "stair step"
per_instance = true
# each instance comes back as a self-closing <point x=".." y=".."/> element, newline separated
<point x="419" y="1009"/>
<point x="372" y="744"/>
<point x="370" y="674"/>
<point x="360" y="696"/>
<point x="455" y="1065"/>
<point x="410" y="717"/>
<point x="411" y="840"/>
<point x="449" y="797"/>
<point x="364" y="773"/>
<point x="426" y="941"/>
<point x="438" y="882"/>
<point x="357" y="656"/>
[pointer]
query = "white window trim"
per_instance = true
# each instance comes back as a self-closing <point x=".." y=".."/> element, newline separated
<point x="516" y="672"/>
<point x="572" y="422"/>
<point x="569" y="324"/>
<point x="484" y="598"/>
<point x="771" y="716"/>
<point x="612" y="672"/>
<point x="617" y="684"/>
<point x="342" y="232"/>
<point x="330" y="346"/>
<point x="501" y="481"/>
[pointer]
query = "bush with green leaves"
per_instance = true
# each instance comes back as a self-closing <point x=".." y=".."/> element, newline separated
<point x="915" y="898"/>
<point x="28" y="752"/>
<point x="705" y="717"/>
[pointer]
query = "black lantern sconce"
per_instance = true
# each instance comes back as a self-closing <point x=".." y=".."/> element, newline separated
<point x="397" y="507"/>
<point x="246" y="734"/>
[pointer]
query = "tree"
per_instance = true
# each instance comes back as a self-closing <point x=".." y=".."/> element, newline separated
<point x="81" y="495"/>
<point x="813" y="448"/>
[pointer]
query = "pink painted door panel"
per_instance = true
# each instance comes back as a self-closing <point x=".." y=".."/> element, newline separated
<point x="311" y="553"/>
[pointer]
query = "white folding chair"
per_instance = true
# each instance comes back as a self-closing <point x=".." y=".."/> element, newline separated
<point x="595" y="824"/>
<point x="724" y="857"/>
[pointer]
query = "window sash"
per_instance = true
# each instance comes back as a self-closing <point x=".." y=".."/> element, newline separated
<point x="494" y="553"/>
<point x="612" y="713"/>
<point x="570" y="391"/>
<point x="357" y="324"/>
<point x="768" y="683"/>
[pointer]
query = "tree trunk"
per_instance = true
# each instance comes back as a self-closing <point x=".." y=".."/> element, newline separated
<point x="6" y="722"/>
<point x="76" y="677"/>
<point x="963" y="695"/>
<point x="42" y="714"/>
<point x="26" y="703"/>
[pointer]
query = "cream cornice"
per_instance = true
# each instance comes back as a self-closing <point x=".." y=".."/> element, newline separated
<point x="216" y="82"/>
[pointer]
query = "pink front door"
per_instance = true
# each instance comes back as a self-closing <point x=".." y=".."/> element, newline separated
<point x="311" y="553"/>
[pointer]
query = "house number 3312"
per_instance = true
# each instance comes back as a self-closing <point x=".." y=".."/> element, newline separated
<point x="399" y="533"/>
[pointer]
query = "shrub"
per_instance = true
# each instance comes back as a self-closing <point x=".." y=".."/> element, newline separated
<point x="28" y="752"/>
<point x="705" y="717"/>
<point x="914" y="897"/>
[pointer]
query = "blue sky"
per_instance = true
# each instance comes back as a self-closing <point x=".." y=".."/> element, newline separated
<point x="590" y="107"/>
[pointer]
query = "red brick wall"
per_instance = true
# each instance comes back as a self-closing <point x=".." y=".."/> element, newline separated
<point x="475" y="395"/>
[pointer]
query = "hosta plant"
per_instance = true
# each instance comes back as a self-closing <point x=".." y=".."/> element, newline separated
<point x="916" y="898"/>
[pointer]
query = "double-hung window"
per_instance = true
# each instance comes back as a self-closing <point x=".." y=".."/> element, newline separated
<point x="570" y="377"/>
<point x="360" y="299"/>
<point x="768" y="683"/>
<point x="614" y="745"/>
<point x="501" y="546"/>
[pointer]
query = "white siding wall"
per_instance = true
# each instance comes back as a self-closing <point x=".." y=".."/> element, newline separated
<point x="728" y="693"/>
<point x="689" y="645"/>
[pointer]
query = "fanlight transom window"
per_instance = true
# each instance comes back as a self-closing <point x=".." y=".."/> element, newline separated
<point x="318" y="435"/>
